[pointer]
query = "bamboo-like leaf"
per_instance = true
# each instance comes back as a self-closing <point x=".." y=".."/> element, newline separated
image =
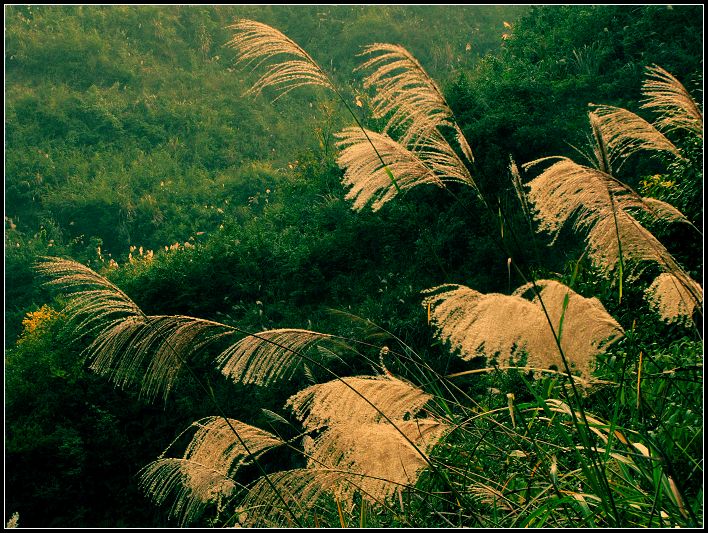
<point x="272" y="416"/>
<point x="665" y="95"/>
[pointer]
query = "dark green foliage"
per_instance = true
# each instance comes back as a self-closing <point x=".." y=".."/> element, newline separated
<point x="73" y="442"/>
<point x="531" y="100"/>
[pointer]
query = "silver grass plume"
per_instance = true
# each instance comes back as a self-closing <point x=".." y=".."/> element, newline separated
<point x="497" y="325"/>
<point x="518" y="188"/>
<point x="303" y="491"/>
<point x="205" y="474"/>
<point x="375" y="456"/>
<point x="408" y="96"/>
<point x="215" y="444"/>
<point x="584" y="326"/>
<point x="627" y="133"/>
<point x="92" y="299"/>
<point x="610" y="239"/>
<point x="130" y="347"/>
<point x="257" y="43"/>
<point x="663" y="211"/>
<point x="369" y="159"/>
<point x="675" y="299"/>
<point x="491" y="496"/>
<point x="472" y="322"/>
<point x="665" y="95"/>
<point x="335" y="402"/>
<point x="567" y="188"/>
<point x="165" y="480"/>
<point x="268" y="356"/>
<point x="417" y="113"/>
<point x="133" y="348"/>
<point x="600" y="205"/>
<point x="150" y="350"/>
<point x="375" y="459"/>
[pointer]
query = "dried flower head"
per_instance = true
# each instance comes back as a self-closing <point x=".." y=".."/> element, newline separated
<point x="497" y="325"/>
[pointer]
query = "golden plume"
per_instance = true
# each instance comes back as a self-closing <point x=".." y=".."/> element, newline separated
<point x="304" y="491"/>
<point x="675" y="299"/>
<point x="150" y="350"/>
<point x="130" y="347"/>
<point x="600" y="205"/>
<point x="205" y="474"/>
<point x="403" y="88"/>
<point x="369" y="435"/>
<point x="257" y="43"/>
<point x="665" y="95"/>
<point x="417" y="115"/>
<point x="375" y="459"/>
<point x="133" y="348"/>
<point x="627" y="133"/>
<point x="214" y="444"/>
<point x="267" y="356"/>
<point x="369" y="159"/>
<point x="99" y="299"/>
<point x="470" y="322"/>
<point x="341" y="401"/>
<point x="167" y="480"/>
<point x="408" y="96"/>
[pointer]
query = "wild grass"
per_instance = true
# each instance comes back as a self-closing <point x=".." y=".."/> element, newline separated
<point x="514" y="444"/>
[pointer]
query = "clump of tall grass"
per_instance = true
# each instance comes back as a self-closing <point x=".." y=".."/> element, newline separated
<point x="385" y="449"/>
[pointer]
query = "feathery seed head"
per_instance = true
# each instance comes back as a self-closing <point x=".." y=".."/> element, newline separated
<point x="256" y="43"/>
<point x="665" y="95"/>
<point x="627" y="133"/>
<point x="370" y="159"/>
<point x="497" y="325"/>
<point x="268" y="356"/>
<point x="336" y="402"/>
<point x="674" y="297"/>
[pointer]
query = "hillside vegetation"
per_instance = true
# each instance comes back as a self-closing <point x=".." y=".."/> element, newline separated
<point x="250" y="264"/>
